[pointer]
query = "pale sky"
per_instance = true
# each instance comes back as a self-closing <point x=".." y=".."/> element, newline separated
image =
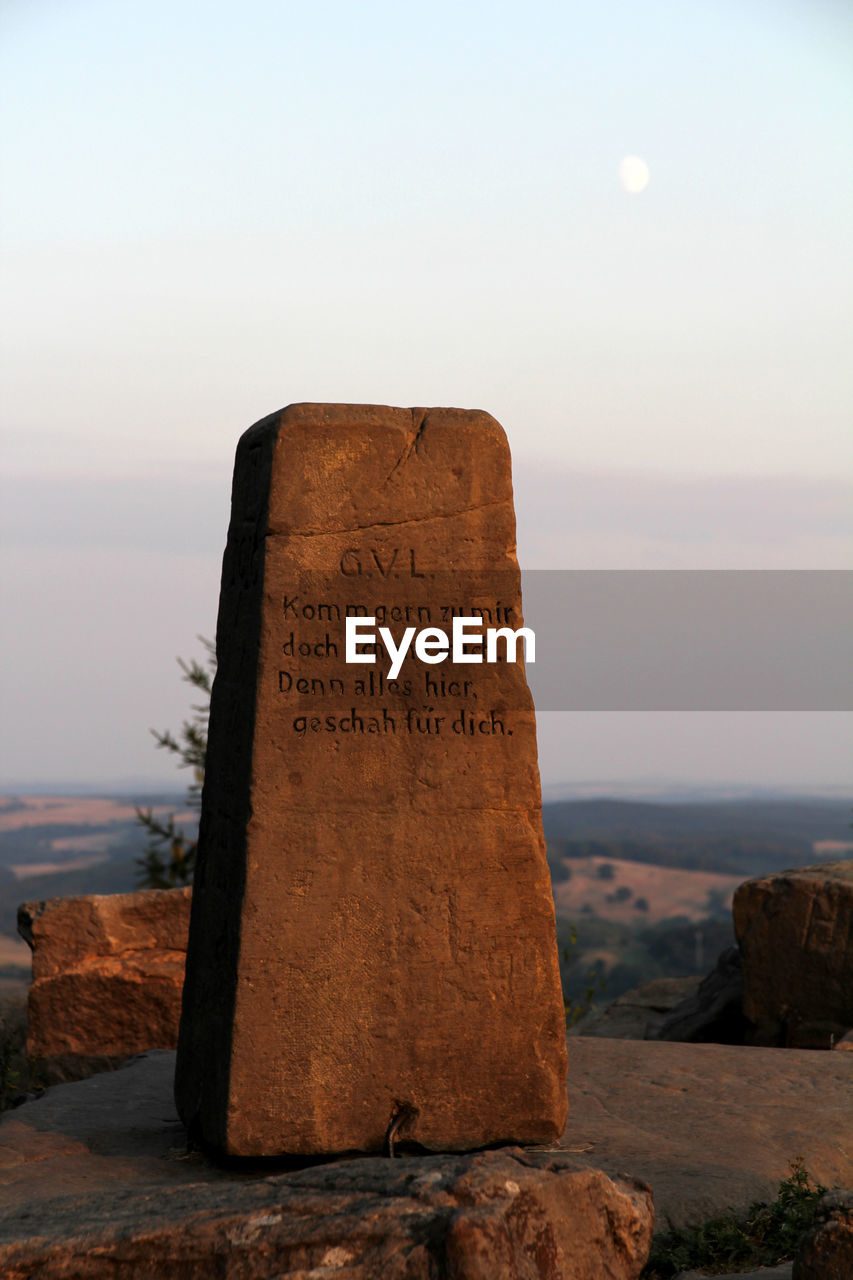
<point x="210" y="212"/>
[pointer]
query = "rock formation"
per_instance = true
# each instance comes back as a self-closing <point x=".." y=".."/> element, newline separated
<point x="96" y="1183"/>
<point x="714" y="1012"/>
<point x="795" y="932"/>
<point x="108" y="971"/>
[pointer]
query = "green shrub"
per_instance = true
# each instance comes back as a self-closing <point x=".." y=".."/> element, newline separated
<point x="169" y="859"/>
<point x="764" y="1236"/>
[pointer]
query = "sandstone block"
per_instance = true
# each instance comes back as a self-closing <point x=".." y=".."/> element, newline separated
<point x="372" y="952"/>
<point x="795" y="932"/>
<point x="107" y="977"/>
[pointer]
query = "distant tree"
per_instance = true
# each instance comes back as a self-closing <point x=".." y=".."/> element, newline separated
<point x="560" y="871"/>
<point x="169" y="860"/>
<point x="719" y="903"/>
<point x="605" y="871"/>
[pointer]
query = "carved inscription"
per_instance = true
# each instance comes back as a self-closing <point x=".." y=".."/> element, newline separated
<point x="327" y="695"/>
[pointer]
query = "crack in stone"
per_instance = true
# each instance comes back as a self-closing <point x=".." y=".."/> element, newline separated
<point x="273" y="532"/>
<point x="413" y="446"/>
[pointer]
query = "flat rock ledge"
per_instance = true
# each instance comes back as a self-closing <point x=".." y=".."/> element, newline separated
<point x="516" y="1214"/>
<point x="710" y="1127"/>
<point x="96" y="1181"/>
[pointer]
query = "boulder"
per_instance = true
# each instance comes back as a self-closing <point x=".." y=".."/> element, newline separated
<point x="713" y="1013"/>
<point x="107" y="977"/>
<point x="639" y="1013"/>
<point x="795" y="932"/>
<point x="826" y="1253"/>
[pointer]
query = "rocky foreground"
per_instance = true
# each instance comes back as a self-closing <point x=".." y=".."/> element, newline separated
<point x="97" y="1182"/>
<point x="687" y="1116"/>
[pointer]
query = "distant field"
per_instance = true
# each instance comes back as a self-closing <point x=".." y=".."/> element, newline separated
<point x="14" y="951"/>
<point x="832" y="850"/>
<point x="739" y="839"/>
<point x="37" y="811"/>
<point x="54" y="846"/>
<point x="641" y="889"/>
<point x="26" y="870"/>
<point x="37" y="832"/>
<point x="661" y="892"/>
<point x="666" y="860"/>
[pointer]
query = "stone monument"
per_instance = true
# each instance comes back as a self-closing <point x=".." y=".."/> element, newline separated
<point x="372" y="955"/>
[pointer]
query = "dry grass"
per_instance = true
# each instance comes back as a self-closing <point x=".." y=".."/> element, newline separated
<point x="669" y="891"/>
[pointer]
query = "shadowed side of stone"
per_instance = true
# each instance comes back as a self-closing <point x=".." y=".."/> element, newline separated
<point x="707" y="1010"/>
<point x="795" y="933"/>
<point x="637" y="1014"/>
<point x="501" y="1213"/>
<point x="372" y="950"/>
<point x="107" y="977"/>
<point x="713" y="1014"/>
<point x="210" y="982"/>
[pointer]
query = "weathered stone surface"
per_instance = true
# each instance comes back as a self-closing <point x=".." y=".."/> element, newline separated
<point x="795" y="933"/>
<point x="94" y="1185"/>
<point x="845" y="1044"/>
<point x="710" y="1127"/>
<point x="826" y="1253"/>
<point x="713" y="1014"/>
<point x="453" y="1217"/>
<point x="107" y="977"/>
<point x="372" y="946"/>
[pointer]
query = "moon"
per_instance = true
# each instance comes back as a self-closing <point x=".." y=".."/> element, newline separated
<point x="634" y="174"/>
